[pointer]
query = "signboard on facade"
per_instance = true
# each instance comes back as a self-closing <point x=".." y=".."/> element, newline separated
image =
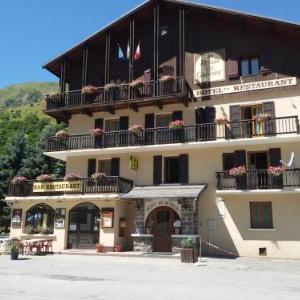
<point x="60" y="214"/>
<point x="107" y="218"/>
<point x="245" y="87"/>
<point x="153" y="204"/>
<point x="133" y="163"/>
<point x="59" y="186"/>
<point x="209" y="66"/>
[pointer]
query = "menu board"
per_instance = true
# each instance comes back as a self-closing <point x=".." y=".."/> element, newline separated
<point x="16" y="220"/>
<point x="107" y="218"/>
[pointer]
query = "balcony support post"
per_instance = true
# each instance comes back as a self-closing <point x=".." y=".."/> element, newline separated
<point x="84" y="71"/>
<point x="156" y="50"/>
<point x="107" y="65"/>
<point x="62" y="78"/>
<point x="181" y="49"/>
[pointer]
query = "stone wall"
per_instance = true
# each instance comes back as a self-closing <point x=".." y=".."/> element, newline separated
<point x="143" y="243"/>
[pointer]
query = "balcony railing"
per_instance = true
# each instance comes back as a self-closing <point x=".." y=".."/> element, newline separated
<point x="258" y="179"/>
<point x="114" y="94"/>
<point x="107" y="184"/>
<point x="194" y="133"/>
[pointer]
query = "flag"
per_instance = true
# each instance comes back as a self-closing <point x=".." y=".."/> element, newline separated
<point x="120" y="54"/>
<point x="137" y="54"/>
<point x="128" y="51"/>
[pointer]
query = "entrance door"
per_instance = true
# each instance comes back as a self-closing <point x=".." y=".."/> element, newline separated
<point x="163" y="223"/>
<point x="84" y="227"/>
<point x="258" y="165"/>
<point x="205" y="129"/>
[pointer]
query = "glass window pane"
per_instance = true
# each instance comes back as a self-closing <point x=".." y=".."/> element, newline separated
<point x="112" y="125"/>
<point x="254" y="66"/>
<point x="245" y="67"/>
<point x="163" y="120"/>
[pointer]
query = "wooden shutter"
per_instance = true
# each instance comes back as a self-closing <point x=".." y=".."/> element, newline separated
<point x="235" y="116"/>
<point x="270" y="125"/>
<point x="99" y="123"/>
<point x="115" y="166"/>
<point x="239" y="158"/>
<point x="177" y="115"/>
<point x="149" y="121"/>
<point x="275" y="156"/>
<point x="200" y="116"/>
<point x="124" y="123"/>
<point x="210" y="114"/>
<point x="269" y="107"/>
<point x="91" y="167"/>
<point x="232" y="68"/>
<point x="184" y="168"/>
<point x="157" y="170"/>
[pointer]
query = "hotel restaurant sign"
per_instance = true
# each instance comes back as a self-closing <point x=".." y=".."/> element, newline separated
<point x="246" y="87"/>
<point x="150" y="205"/>
<point x="58" y="186"/>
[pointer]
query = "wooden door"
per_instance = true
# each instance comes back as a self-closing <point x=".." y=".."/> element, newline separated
<point x="163" y="221"/>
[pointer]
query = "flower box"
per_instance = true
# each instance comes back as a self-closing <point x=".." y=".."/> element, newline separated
<point x="44" y="177"/>
<point x="96" y="131"/>
<point x="110" y="86"/>
<point x="177" y="124"/>
<point x="89" y="90"/>
<point x="238" y="171"/>
<point x="166" y="78"/>
<point x="221" y="121"/>
<point x="137" y="84"/>
<point x="136" y="128"/>
<point x="276" y="171"/>
<point x="19" y="180"/>
<point x="71" y="177"/>
<point x="98" y="176"/>
<point x="189" y="251"/>
<point x="62" y="135"/>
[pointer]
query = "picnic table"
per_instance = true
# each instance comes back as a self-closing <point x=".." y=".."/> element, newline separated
<point x="36" y="246"/>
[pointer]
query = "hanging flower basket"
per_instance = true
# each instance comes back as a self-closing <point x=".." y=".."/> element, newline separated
<point x="96" y="131"/>
<point x="71" y="176"/>
<point x="177" y="124"/>
<point x="89" y="90"/>
<point x="239" y="171"/>
<point x="62" y="135"/>
<point x="221" y="121"/>
<point x="276" y="171"/>
<point x="44" y="177"/>
<point x="261" y="117"/>
<point x="136" y="129"/>
<point x="137" y="84"/>
<point x="19" y="180"/>
<point x="167" y="78"/>
<point x="98" y="176"/>
<point x="54" y="97"/>
<point x="110" y="86"/>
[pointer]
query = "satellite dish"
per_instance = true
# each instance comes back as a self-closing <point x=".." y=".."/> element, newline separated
<point x="291" y="161"/>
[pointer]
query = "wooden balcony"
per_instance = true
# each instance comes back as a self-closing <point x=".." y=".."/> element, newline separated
<point x="107" y="184"/>
<point x="195" y="133"/>
<point x="114" y="97"/>
<point x="258" y="179"/>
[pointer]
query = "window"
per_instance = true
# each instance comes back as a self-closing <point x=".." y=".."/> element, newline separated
<point x="228" y="161"/>
<point x="172" y="170"/>
<point x="163" y="120"/>
<point x="40" y="219"/>
<point x="104" y="166"/>
<point x="249" y="66"/>
<point x="261" y="215"/>
<point x="112" y="125"/>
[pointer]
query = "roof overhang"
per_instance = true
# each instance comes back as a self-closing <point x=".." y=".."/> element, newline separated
<point x="166" y="191"/>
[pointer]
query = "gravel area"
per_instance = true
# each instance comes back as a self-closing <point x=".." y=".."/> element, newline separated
<point x="102" y="278"/>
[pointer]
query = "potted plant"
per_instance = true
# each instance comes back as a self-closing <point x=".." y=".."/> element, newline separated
<point x="71" y="177"/>
<point x="44" y="177"/>
<point x="100" y="248"/>
<point x="62" y="135"/>
<point x="96" y="131"/>
<point x="240" y="175"/>
<point x="167" y="78"/>
<point x="110" y="86"/>
<point x="137" y="84"/>
<point x="177" y="124"/>
<point x="89" y="90"/>
<point x="98" y="177"/>
<point x="177" y="127"/>
<point x="188" y="251"/>
<point x="276" y="174"/>
<point x="15" y="248"/>
<point x="19" y="180"/>
<point x="118" y="248"/>
<point x="136" y="129"/>
<point x="221" y="121"/>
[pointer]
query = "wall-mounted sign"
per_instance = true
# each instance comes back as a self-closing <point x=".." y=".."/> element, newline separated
<point x="245" y="87"/>
<point x="16" y="220"/>
<point x="150" y="205"/>
<point x="209" y="66"/>
<point x="60" y="215"/>
<point x="107" y="218"/>
<point x="133" y="163"/>
<point x="59" y="186"/>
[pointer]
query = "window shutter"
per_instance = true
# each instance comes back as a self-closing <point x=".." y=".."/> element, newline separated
<point x="270" y="125"/>
<point x="124" y="123"/>
<point x="269" y="107"/>
<point x="149" y="121"/>
<point x="239" y="158"/>
<point x="235" y="115"/>
<point x="91" y="167"/>
<point x="275" y="156"/>
<point x="200" y="116"/>
<point x="177" y="115"/>
<point x="232" y="68"/>
<point x="115" y="167"/>
<point x="157" y="170"/>
<point x="99" y="123"/>
<point x="210" y="114"/>
<point x="184" y="169"/>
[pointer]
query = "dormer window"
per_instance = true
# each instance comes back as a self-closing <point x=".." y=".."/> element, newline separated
<point x="249" y="66"/>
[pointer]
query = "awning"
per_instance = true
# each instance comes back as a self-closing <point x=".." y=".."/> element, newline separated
<point x="165" y="191"/>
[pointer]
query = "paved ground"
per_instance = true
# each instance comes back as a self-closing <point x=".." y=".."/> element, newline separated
<point x="102" y="278"/>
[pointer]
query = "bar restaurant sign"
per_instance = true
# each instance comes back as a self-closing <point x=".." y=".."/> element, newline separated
<point x="209" y="66"/>
<point x="246" y="87"/>
<point x="150" y="205"/>
<point x="59" y="186"/>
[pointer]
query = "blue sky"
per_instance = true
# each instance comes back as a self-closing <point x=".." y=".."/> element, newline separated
<point x="34" y="31"/>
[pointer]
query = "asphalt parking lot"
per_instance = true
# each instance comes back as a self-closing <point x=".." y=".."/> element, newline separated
<point x="94" y="277"/>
